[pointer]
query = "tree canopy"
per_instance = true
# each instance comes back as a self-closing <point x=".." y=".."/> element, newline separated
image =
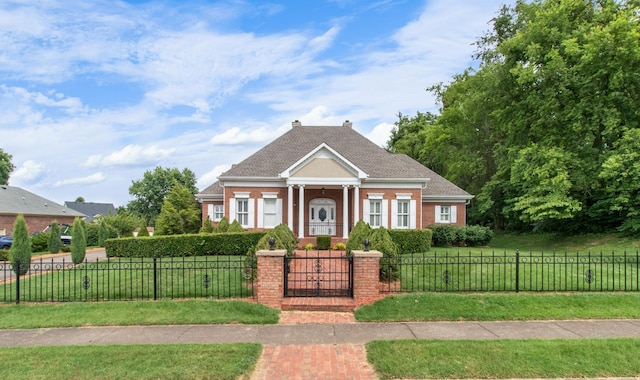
<point x="150" y="192"/>
<point x="6" y="167"/>
<point x="180" y="213"/>
<point x="545" y="130"/>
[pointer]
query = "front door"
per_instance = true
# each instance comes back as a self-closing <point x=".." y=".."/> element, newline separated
<point x="322" y="217"/>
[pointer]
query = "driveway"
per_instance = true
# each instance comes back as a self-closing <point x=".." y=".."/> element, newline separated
<point x="92" y="255"/>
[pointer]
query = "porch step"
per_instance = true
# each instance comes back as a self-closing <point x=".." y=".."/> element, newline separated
<point x="336" y="304"/>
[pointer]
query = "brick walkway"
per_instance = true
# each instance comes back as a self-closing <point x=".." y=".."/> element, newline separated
<point x="339" y="361"/>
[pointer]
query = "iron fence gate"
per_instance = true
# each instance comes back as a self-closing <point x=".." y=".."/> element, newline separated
<point x="324" y="274"/>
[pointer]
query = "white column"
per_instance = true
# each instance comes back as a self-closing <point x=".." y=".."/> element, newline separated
<point x="356" y="204"/>
<point x="301" y="212"/>
<point x="345" y="211"/>
<point x="290" y="207"/>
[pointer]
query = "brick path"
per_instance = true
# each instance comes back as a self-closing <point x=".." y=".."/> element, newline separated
<point x="338" y="361"/>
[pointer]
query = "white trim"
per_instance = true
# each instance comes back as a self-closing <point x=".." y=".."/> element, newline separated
<point x="412" y="214"/>
<point x="359" y="173"/>
<point x="270" y="194"/>
<point x="394" y="213"/>
<point x="403" y="196"/>
<point x="446" y="199"/>
<point x="260" y="213"/>
<point x="454" y="212"/>
<point x="232" y="210"/>
<point x="376" y="195"/>
<point x="210" y="211"/>
<point x="385" y="213"/>
<point x="366" y="209"/>
<point x="278" y="211"/>
<point x="252" y="216"/>
<point x="323" y="181"/>
<point x="241" y="194"/>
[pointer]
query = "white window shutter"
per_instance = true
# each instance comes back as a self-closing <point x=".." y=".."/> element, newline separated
<point x="278" y="211"/>
<point x="260" y="213"/>
<point x="454" y="210"/>
<point x="413" y="215"/>
<point x="366" y="207"/>
<point x="252" y="214"/>
<point x="210" y="212"/>
<point x="438" y="214"/>
<point x="385" y="213"/>
<point x="394" y="213"/>
<point x="232" y="210"/>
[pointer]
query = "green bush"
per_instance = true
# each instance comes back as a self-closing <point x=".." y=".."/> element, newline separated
<point x="40" y="242"/>
<point x="93" y="231"/>
<point x="78" y="241"/>
<point x="235" y="227"/>
<point x="207" y="227"/>
<point x="183" y="245"/>
<point x="143" y="232"/>
<point x="54" y="238"/>
<point x="444" y="235"/>
<point x="4" y="254"/>
<point x="323" y="242"/>
<point x="477" y="236"/>
<point x="381" y="241"/>
<point x="21" y="246"/>
<point x="447" y="235"/>
<point x="223" y="226"/>
<point x="411" y="241"/>
<point x="360" y="231"/>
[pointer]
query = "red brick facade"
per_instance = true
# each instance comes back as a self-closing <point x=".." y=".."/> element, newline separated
<point x="35" y="223"/>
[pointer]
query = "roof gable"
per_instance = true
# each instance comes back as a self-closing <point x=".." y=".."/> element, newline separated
<point x="323" y="162"/>
<point x="14" y="200"/>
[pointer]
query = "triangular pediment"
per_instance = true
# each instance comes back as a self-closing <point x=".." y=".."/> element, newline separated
<point x="323" y="162"/>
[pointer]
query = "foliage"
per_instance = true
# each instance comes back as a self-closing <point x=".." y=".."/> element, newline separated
<point x="207" y="227"/>
<point x="78" y="241"/>
<point x="80" y="199"/>
<point x="339" y="247"/>
<point x="323" y="242"/>
<point x="40" y="242"/>
<point x="360" y="231"/>
<point x="477" y="236"/>
<point x="150" y="192"/>
<point x="411" y="241"/>
<point x="143" y="232"/>
<point x="21" y="246"/>
<point x="6" y="167"/>
<point x="92" y="231"/>
<point x="223" y="225"/>
<point x="123" y="222"/>
<point x="54" y="237"/>
<point x="381" y="241"/>
<point x="444" y="235"/>
<point x="309" y="246"/>
<point x="235" y="227"/>
<point x="102" y="232"/>
<point x="180" y="213"/>
<point x="447" y="235"/>
<point x="183" y="245"/>
<point x="544" y="131"/>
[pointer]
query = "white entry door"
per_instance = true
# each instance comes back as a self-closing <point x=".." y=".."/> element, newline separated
<point x="322" y="217"/>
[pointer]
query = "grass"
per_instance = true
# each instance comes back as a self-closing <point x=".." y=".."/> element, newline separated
<point x="505" y="359"/>
<point x="501" y="306"/>
<point x="27" y="316"/>
<point x="553" y="242"/>
<point x="185" y="361"/>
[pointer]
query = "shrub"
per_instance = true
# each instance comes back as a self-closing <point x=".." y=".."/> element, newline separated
<point x="102" y="232"/>
<point x="235" y="227"/>
<point x="359" y="232"/>
<point x="323" y="242"/>
<point x="444" y="235"/>
<point x="92" y="231"/>
<point x="207" y="227"/>
<point x="340" y="247"/>
<point x="477" y="235"/>
<point x="40" y="242"/>
<point x="78" y="241"/>
<point x="284" y="239"/>
<point x="21" y="246"/>
<point x="411" y="241"/>
<point x="381" y="241"/>
<point x="308" y="247"/>
<point x="4" y="254"/>
<point x="143" y="231"/>
<point x="54" y="238"/>
<point x="223" y="225"/>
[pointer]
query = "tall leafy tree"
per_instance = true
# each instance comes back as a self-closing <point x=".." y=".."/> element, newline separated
<point x="78" y="241"/>
<point x="20" y="254"/>
<point x="150" y="192"/>
<point x="6" y="167"/>
<point x="180" y="213"/>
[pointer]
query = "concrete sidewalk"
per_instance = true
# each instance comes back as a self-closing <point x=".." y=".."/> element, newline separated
<point x="320" y="333"/>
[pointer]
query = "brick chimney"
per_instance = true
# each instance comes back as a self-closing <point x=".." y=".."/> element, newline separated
<point x="347" y="124"/>
<point x="296" y="123"/>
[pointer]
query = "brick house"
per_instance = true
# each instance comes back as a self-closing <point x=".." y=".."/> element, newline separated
<point x="38" y="212"/>
<point x="320" y="180"/>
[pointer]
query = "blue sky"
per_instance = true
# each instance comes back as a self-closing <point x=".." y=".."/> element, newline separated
<point x="95" y="93"/>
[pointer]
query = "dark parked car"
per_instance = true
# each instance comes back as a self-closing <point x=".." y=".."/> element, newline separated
<point x="5" y="242"/>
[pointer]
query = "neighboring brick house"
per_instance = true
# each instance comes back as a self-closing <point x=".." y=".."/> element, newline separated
<point x="322" y="180"/>
<point x="38" y="212"/>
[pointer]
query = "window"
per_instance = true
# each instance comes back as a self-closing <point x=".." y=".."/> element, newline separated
<point x="242" y="211"/>
<point x="270" y="213"/>
<point x="403" y="214"/>
<point x="445" y="214"/>
<point x="375" y="213"/>
<point x="217" y="213"/>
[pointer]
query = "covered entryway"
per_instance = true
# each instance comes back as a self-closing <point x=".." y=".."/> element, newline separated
<point x="322" y="217"/>
<point x="318" y="274"/>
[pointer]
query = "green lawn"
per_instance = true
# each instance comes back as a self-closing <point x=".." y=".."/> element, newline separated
<point x="185" y="361"/>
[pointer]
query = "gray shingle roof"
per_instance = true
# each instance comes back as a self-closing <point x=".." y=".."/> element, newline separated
<point x="91" y="210"/>
<point x="378" y="163"/>
<point x="14" y="200"/>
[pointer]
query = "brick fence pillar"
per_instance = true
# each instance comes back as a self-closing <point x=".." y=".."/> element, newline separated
<point x="269" y="285"/>
<point x="366" y="274"/>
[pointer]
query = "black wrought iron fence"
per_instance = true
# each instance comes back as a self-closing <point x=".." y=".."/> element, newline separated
<point x="55" y="280"/>
<point x="532" y="272"/>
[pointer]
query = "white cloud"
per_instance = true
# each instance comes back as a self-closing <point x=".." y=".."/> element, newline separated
<point x="211" y="176"/>
<point x="238" y="136"/>
<point x="29" y="171"/>
<point x="91" y="179"/>
<point x="380" y="134"/>
<point x="130" y="155"/>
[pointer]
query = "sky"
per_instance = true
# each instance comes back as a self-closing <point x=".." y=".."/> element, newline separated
<point x="94" y="93"/>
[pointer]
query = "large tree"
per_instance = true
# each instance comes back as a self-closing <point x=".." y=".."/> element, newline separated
<point x="151" y="191"/>
<point x="534" y="131"/>
<point x="6" y="167"/>
<point x="180" y="213"/>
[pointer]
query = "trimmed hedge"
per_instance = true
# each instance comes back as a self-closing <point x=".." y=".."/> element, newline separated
<point x="447" y="235"/>
<point x="183" y="245"/>
<point x="411" y="241"/>
<point x="323" y="242"/>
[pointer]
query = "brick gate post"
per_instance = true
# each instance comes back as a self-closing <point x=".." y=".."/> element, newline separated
<point x="269" y="286"/>
<point x="366" y="276"/>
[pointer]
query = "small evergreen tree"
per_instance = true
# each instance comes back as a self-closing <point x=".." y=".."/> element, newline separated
<point x="381" y="241"/>
<point x="169" y="221"/>
<point x="223" y="225"/>
<point x="78" y="241"/>
<point x="235" y="227"/>
<point x="21" y="246"/>
<point x="102" y="232"/>
<point x="207" y="227"/>
<point x="143" y="231"/>
<point x="54" y="238"/>
<point x="360" y="231"/>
